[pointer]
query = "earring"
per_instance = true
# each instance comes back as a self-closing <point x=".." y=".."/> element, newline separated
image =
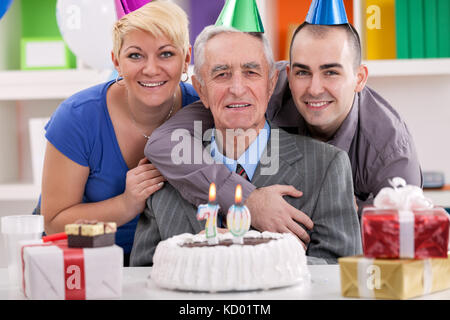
<point x="117" y="80"/>
<point x="187" y="77"/>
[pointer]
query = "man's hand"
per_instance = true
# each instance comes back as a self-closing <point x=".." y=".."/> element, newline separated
<point x="270" y="212"/>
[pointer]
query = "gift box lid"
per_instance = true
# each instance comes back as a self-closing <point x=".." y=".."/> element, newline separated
<point x="435" y="211"/>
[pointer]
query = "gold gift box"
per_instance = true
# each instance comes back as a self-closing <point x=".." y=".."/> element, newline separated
<point x="393" y="278"/>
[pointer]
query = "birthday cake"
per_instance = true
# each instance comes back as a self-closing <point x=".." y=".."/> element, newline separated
<point x="264" y="260"/>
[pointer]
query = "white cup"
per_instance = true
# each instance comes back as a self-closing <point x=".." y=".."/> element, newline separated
<point x="16" y="229"/>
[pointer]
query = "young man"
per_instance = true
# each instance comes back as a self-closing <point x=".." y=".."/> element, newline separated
<point x="327" y="82"/>
<point x="235" y="77"/>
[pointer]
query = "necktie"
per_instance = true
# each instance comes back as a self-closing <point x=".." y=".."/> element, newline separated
<point x="240" y="171"/>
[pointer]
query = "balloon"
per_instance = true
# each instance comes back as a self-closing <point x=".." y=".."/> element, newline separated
<point x="4" y="6"/>
<point x="124" y="7"/>
<point x="86" y="27"/>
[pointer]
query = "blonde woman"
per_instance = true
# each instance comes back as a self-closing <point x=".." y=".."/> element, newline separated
<point x="94" y="165"/>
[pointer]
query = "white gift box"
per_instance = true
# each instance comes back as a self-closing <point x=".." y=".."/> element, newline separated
<point x="50" y="273"/>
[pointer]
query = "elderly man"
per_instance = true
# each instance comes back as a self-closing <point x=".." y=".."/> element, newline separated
<point x="235" y="77"/>
<point x="325" y="98"/>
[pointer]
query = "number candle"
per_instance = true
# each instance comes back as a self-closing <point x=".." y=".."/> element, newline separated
<point x="209" y="212"/>
<point x="238" y="217"/>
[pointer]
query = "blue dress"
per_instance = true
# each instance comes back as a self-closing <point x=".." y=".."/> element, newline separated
<point x="82" y="130"/>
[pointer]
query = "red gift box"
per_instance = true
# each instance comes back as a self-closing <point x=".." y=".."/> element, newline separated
<point x="384" y="235"/>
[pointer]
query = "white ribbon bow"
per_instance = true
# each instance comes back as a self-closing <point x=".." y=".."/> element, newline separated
<point x="404" y="198"/>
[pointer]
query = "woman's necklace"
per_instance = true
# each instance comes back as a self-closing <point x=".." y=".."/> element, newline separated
<point x="167" y="118"/>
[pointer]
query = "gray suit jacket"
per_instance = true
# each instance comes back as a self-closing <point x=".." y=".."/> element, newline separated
<point x="322" y="172"/>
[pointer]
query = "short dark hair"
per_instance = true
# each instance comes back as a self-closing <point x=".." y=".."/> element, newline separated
<point x="321" y="30"/>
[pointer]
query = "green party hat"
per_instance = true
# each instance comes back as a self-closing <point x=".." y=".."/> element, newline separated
<point x="242" y="15"/>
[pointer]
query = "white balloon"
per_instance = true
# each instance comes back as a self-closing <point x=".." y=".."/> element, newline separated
<point x="86" y="27"/>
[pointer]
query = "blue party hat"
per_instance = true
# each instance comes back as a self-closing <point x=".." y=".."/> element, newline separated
<point x="327" y="12"/>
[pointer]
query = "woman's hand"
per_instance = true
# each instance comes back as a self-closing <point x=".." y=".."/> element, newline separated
<point x="141" y="182"/>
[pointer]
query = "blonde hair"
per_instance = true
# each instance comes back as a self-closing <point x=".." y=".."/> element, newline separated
<point x="159" y="18"/>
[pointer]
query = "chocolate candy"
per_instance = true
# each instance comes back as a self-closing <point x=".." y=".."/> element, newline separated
<point x="91" y="234"/>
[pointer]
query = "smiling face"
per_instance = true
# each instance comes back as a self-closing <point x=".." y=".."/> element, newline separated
<point x="235" y="81"/>
<point x="323" y="79"/>
<point x="151" y="67"/>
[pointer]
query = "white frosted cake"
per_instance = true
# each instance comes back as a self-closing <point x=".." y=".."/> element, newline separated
<point x="265" y="260"/>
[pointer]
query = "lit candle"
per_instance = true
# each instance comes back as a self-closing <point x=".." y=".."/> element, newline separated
<point x="209" y="212"/>
<point x="238" y="217"/>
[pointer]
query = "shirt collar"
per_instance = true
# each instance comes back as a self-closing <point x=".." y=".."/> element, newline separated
<point x="346" y="132"/>
<point x="250" y="158"/>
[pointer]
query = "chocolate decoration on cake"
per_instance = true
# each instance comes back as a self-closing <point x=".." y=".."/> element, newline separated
<point x="91" y="234"/>
<point x="227" y="243"/>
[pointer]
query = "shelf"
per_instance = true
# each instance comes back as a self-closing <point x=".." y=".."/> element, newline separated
<point x="439" y="197"/>
<point x="397" y="67"/>
<point x="51" y="84"/>
<point x="408" y="67"/>
<point x="60" y="84"/>
<point x="48" y="84"/>
<point x="445" y="187"/>
<point x="19" y="191"/>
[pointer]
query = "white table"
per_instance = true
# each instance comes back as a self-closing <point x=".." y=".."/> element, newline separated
<point x="325" y="285"/>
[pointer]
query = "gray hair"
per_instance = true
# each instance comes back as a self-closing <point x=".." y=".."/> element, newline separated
<point x="210" y="32"/>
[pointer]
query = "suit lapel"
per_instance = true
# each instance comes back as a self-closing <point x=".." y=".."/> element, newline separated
<point x="277" y="164"/>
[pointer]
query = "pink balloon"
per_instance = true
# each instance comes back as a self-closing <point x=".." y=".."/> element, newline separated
<point x="126" y="6"/>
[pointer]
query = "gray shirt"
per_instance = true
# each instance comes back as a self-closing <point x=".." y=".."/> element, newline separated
<point x="375" y="138"/>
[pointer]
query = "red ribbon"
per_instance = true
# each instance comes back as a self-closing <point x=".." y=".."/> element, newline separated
<point x="54" y="237"/>
<point x="74" y="275"/>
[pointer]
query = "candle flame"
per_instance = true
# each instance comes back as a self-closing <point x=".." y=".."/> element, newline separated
<point x="212" y="192"/>
<point x="238" y="194"/>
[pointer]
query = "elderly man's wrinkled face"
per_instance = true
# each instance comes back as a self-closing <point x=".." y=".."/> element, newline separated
<point x="236" y="85"/>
